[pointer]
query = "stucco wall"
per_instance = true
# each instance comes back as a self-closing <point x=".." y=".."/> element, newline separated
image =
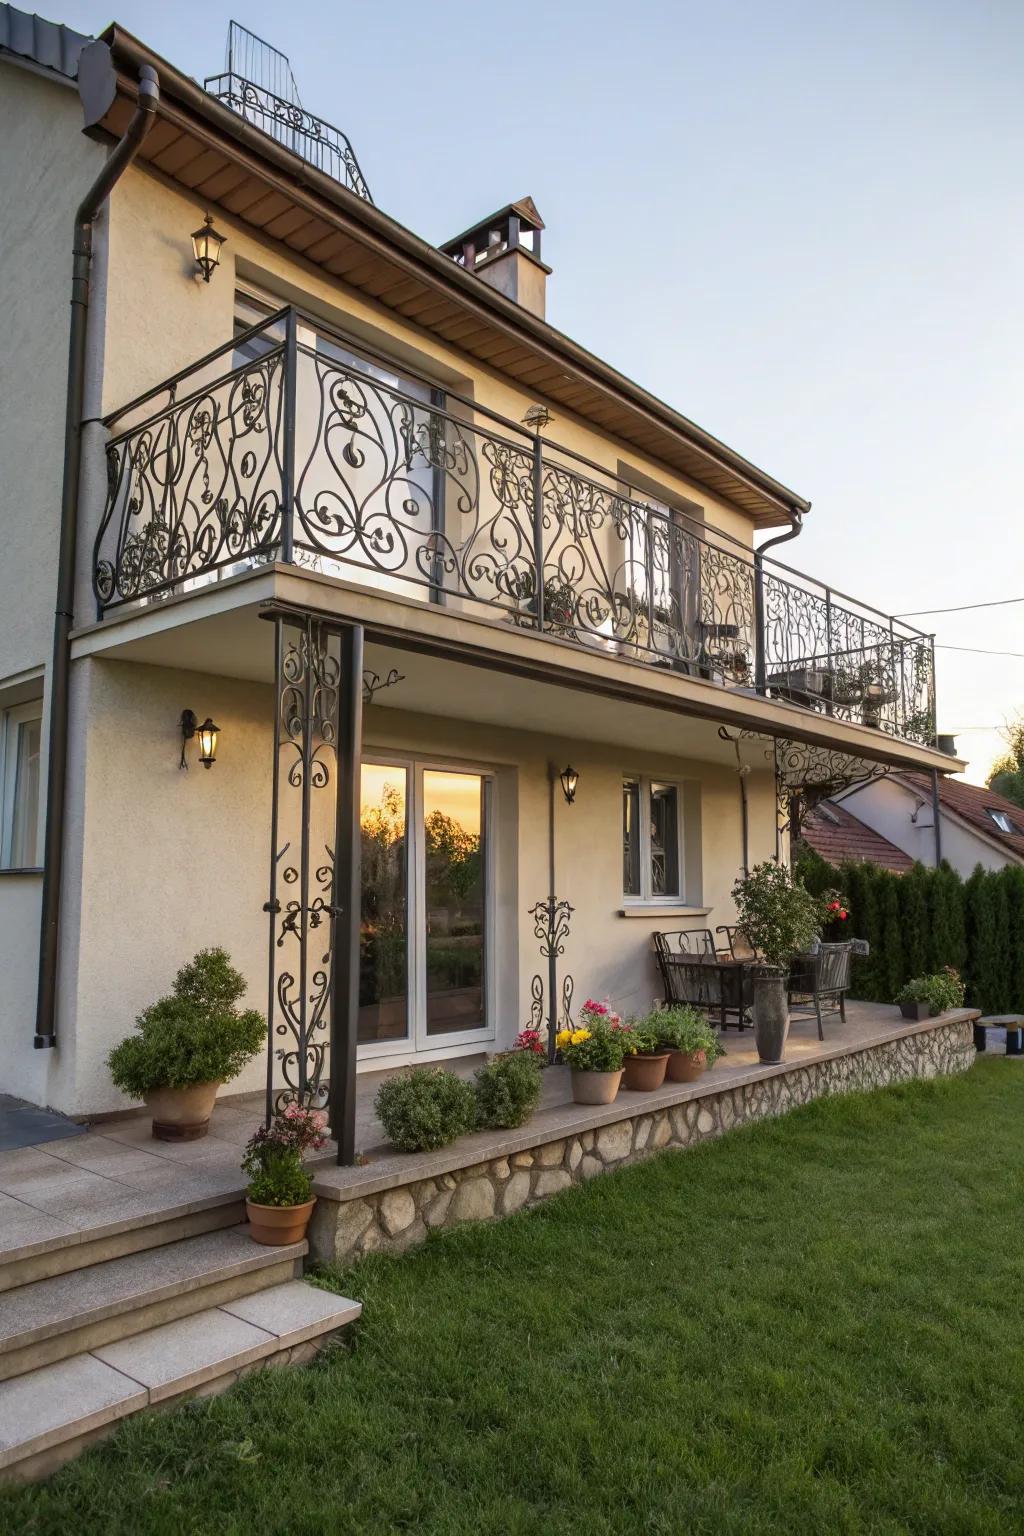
<point x="888" y="807"/>
<point x="173" y="861"/>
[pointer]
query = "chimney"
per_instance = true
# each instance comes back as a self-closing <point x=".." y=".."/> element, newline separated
<point x="504" y="251"/>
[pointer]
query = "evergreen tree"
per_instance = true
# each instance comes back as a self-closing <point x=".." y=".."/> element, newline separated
<point x="913" y="894"/>
<point x="892" y="972"/>
<point x="1015" y="916"/>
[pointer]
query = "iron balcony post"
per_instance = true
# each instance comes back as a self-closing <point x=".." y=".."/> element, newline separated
<point x="760" y="669"/>
<point x="538" y="526"/>
<point x="829" y="704"/>
<point x="272" y="905"/>
<point x="291" y="356"/>
<point x="347" y="899"/>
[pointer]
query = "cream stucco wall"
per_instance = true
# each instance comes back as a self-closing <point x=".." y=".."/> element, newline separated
<point x="163" y="862"/>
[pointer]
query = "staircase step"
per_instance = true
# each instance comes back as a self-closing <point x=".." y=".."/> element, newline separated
<point x="53" y="1412"/>
<point x="67" y="1250"/>
<point x="52" y="1319"/>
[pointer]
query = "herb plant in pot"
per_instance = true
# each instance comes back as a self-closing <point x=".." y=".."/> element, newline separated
<point x="593" y="1053"/>
<point x="644" y="1061"/>
<point x="692" y="1045"/>
<point x="780" y="918"/>
<point x="187" y="1044"/>
<point x="279" y="1199"/>
<point x="924" y="997"/>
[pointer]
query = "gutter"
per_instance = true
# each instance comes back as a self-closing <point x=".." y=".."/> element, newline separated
<point x="95" y="72"/>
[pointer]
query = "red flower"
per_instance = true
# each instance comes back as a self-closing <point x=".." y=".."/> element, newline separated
<point x="842" y="917"/>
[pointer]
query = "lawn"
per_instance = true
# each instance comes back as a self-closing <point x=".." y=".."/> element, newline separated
<point x="812" y="1325"/>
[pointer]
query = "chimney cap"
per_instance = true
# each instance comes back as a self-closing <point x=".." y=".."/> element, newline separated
<point x="525" y="210"/>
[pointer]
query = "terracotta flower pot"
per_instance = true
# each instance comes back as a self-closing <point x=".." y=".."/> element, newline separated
<point x="181" y="1114"/>
<point x="275" y="1225"/>
<point x="595" y="1087"/>
<point x="645" y="1073"/>
<point x="687" y="1066"/>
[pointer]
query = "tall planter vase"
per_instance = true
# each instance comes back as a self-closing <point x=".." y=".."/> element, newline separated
<point x="771" y="1017"/>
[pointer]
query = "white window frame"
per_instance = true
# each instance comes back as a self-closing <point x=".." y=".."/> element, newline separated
<point x="647" y="897"/>
<point x="417" y="1043"/>
<point x="10" y="720"/>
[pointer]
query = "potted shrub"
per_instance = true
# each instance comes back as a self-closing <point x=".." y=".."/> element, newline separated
<point x="926" y="996"/>
<point x="425" y="1108"/>
<point x="780" y="918"/>
<point x="507" y="1090"/>
<point x="279" y="1199"/>
<point x="593" y="1053"/>
<point x="187" y="1044"/>
<point x="692" y="1045"/>
<point x="644" y="1060"/>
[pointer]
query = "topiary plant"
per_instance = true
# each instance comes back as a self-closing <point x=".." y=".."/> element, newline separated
<point x="507" y="1090"/>
<point x="425" y="1108"/>
<point x="194" y="1035"/>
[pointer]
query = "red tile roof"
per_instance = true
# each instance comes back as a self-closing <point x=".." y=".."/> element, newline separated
<point x="972" y="803"/>
<point x="837" y="835"/>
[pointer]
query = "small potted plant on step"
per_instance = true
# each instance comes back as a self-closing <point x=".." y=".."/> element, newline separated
<point x="187" y="1045"/>
<point x="926" y="996"/>
<point x="279" y="1199"/>
<point x="644" y="1060"/>
<point x="692" y="1045"/>
<point x="780" y="918"/>
<point x="593" y="1053"/>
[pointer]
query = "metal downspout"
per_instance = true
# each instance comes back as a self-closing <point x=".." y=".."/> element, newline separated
<point x="796" y="524"/>
<point x="56" y="780"/>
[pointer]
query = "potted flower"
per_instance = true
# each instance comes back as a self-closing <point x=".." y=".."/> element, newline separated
<point x="926" y="996"/>
<point x="644" y="1060"/>
<point x="593" y="1053"/>
<point x="533" y="1042"/>
<point x="835" y="913"/>
<point x="692" y="1045"/>
<point x="279" y="1199"/>
<point x="187" y="1044"/>
<point x="780" y="918"/>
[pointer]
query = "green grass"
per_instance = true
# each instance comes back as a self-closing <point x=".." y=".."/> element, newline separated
<point x="813" y="1325"/>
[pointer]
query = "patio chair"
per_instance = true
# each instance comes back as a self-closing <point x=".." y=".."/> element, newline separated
<point x="693" y="973"/>
<point x="740" y="947"/>
<point x="818" y="983"/>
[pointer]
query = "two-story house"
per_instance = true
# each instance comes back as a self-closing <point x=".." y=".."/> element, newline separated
<point x="502" y="676"/>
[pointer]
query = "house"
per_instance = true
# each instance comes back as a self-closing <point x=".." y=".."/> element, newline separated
<point x="975" y="825"/>
<point x="402" y="646"/>
<point x="838" y="837"/>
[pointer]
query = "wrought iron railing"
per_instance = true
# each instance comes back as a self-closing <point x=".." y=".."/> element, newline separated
<point x="269" y="449"/>
<point x="318" y="142"/>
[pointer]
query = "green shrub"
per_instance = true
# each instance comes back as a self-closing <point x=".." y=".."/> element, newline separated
<point x="425" y="1109"/>
<point x="278" y="1178"/>
<point x="507" y="1090"/>
<point x="685" y="1029"/>
<point x="778" y="914"/>
<point x="941" y="992"/>
<point x="637" y="1038"/>
<point x="195" y="1035"/>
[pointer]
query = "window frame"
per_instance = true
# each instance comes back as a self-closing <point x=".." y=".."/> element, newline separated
<point x="648" y="897"/>
<point x="11" y="719"/>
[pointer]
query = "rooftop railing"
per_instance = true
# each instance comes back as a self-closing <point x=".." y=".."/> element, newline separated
<point x="269" y="449"/>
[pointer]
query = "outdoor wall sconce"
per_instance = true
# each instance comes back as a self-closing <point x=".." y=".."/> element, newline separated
<point x="569" y="778"/>
<point x="206" y="244"/>
<point x="208" y="733"/>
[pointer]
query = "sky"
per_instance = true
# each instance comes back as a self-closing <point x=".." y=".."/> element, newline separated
<point x="798" y="222"/>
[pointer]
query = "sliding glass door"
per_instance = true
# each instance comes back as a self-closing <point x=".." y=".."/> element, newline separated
<point x="425" y="941"/>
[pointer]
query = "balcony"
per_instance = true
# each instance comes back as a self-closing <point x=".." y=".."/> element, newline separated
<point x="272" y="450"/>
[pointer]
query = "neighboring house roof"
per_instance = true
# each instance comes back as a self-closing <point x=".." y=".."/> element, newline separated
<point x="45" y="43"/>
<point x="840" y="837"/>
<point x="972" y="803"/>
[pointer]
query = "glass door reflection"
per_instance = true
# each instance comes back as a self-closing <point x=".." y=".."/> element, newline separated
<point x="383" y="929"/>
<point x="455" y="861"/>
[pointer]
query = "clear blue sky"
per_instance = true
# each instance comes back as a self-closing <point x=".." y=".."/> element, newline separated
<point x="798" y="221"/>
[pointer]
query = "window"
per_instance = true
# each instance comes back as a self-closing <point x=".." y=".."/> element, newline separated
<point x="20" y="735"/>
<point x="1002" y="821"/>
<point x="652" y="837"/>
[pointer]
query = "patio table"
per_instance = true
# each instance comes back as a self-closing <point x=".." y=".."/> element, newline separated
<point x="714" y="982"/>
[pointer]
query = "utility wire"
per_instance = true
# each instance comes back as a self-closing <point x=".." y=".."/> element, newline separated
<point x="977" y="651"/>
<point x="918" y="613"/>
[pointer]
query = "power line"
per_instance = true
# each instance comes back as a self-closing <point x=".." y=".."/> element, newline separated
<point x="977" y="651"/>
<point x="918" y="613"/>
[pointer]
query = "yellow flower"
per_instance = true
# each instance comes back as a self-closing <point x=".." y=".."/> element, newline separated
<point x="579" y="1035"/>
<point x="563" y="1037"/>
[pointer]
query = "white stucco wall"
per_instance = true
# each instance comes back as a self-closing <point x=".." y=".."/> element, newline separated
<point x="888" y="807"/>
<point x="162" y="863"/>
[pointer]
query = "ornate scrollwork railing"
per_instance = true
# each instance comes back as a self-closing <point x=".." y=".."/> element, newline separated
<point x="300" y="455"/>
<point x="318" y="142"/>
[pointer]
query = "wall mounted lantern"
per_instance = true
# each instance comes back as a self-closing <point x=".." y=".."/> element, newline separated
<point x="206" y="244"/>
<point x="208" y="734"/>
<point x="569" y="778"/>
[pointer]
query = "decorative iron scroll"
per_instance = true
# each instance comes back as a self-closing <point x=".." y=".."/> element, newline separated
<point x="551" y="922"/>
<point x="373" y="682"/>
<point x="806" y="774"/>
<point x="302" y="913"/>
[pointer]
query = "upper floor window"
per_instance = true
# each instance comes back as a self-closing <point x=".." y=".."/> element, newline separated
<point x="20" y="738"/>
<point x="652" y="840"/>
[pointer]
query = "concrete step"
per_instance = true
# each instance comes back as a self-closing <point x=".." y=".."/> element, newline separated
<point x="86" y="1309"/>
<point x="21" y="1263"/>
<point x="50" y="1414"/>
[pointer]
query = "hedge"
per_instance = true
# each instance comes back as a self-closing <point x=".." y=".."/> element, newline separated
<point x="919" y="922"/>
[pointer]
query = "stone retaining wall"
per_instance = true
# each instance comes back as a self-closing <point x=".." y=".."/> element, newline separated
<point x="395" y="1219"/>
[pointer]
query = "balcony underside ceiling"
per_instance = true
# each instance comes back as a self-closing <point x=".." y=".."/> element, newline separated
<point x="212" y="152"/>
